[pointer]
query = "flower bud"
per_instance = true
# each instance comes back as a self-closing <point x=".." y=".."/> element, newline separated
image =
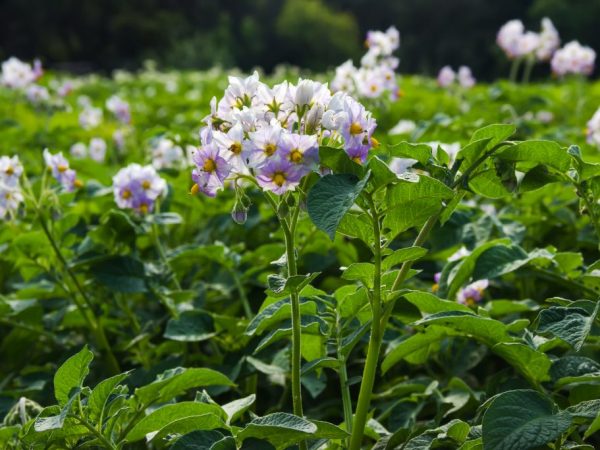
<point x="239" y="213"/>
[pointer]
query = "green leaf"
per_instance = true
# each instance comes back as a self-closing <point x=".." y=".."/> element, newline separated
<point x="101" y="393"/>
<point x="362" y="272"/>
<point x="450" y="435"/>
<point x="277" y="312"/>
<point x="414" y="349"/>
<point x="420" y="152"/>
<point x="472" y="151"/>
<point x="430" y="304"/>
<point x="281" y="287"/>
<point x="539" y="152"/>
<point x="174" y="382"/>
<point x="381" y="174"/>
<point x="339" y="161"/>
<point x="280" y="429"/>
<point x="408" y="215"/>
<point x="165" y="415"/>
<point x="330" y="199"/>
<point x="572" y="325"/>
<point x="204" y="440"/>
<point x="496" y="133"/>
<point x="499" y="260"/>
<point x="522" y="419"/>
<point x="188" y="424"/>
<point x="120" y="274"/>
<point x="237" y="408"/>
<point x="45" y="423"/>
<point x="426" y="188"/>
<point x="403" y="255"/>
<point x="71" y="374"/>
<point x="190" y="326"/>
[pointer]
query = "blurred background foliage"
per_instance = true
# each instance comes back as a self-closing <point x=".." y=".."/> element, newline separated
<point x="100" y="35"/>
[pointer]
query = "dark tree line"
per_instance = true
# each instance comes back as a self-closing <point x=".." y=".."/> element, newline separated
<point x="105" y="34"/>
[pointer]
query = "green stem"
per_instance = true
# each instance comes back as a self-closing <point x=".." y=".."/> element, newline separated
<point x="295" y="300"/>
<point x="93" y="322"/>
<point x="514" y="69"/>
<point x="105" y="442"/>
<point x="163" y="255"/>
<point x="346" y="398"/>
<point x="529" y="62"/>
<point x="370" y="370"/>
<point x="242" y="294"/>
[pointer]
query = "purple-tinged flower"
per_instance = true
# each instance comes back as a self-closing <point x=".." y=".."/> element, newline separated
<point x="357" y="128"/>
<point x="11" y="198"/>
<point x="472" y="293"/>
<point x="231" y="144"/>
<point x="263" y="144"/>
<point x="211" y="169"/>
<point x="59" y="166"/>
<point x="465" y="77"/>
<point x="446" y="76"/>
<point x="120" y="108"/>
<point x="97" y="149"/>
<point x="208" y="159"/>
<point x="301" y="150"/>
<point x="38" y="70"/>
<point x="78" y="150"/>
<point x="279" y="176"/>
<point x="17" y="74"/>
<point x="90" y="117"/>
<point x="37" y="94"/>
<point x="138" y="187"/>
<point x="11" y="170"/>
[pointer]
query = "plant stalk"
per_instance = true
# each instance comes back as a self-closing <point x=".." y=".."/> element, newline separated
<point x="370" y="370"/>
<point x="91" y="319"/>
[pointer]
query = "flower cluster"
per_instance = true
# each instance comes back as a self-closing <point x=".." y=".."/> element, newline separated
<point x="167" y="155"/>
<point x="96" y="149"/>
<point x="376" y="73"/>
<point x="273" y="134"/>
<point x="120" y="108"/>
<point x="17" y="74"/>
<point x="448" y="77"/>
<point x="593" y="129"/>
<point x="138" y="187"/>
<point x="61" y="171"/>
<point x="10" y="189"/>
<point x="516" y="42"/>
<point x="573" y="58"/>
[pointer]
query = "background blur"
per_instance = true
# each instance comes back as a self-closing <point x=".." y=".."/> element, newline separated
<point x="100" y="35"/>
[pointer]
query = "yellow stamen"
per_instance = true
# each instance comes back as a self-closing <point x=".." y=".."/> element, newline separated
<point x="9" y="170"/>
<point x="375" y="142"/>
<point x="279" y="178"/>
<point x="270" y="148"/>
<point x="235" y="148"/>
<point x="355" y="128"/>
<point x="209" y="165"/>
<point x="146" y="184"/>
<point x="400" y="93"/>
<point x="435" y="288"/>
<point x="78" y="183"/>
<point x="126" y="194"/>
<point x="62" y="168"/>
<point x="195" y="189"/>
<point x="373" y="88"/>
<point x="143" y="208"/>
<point x="296" y="156"/>
<point x="357" y="160"/>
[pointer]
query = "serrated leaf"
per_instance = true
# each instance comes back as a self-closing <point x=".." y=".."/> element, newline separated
<point x="522" y="419"/>
<point x="330" y="199"/>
